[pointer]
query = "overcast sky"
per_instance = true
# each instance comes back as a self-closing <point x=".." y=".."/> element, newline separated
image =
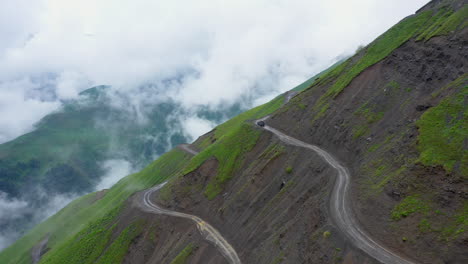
<point x="216" y="50"/>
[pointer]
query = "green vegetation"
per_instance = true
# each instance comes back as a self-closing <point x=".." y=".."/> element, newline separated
<point x="317" y="78"/>
<point x="88" y="217"/>
<point x="378" y="50"/>
<point x="409" y="205"/>
<point x="19" y="251"/>
<point x="280" y="258"/>
<point x="374" y="147"/>
<point x="184" y="255"/>
<point x="115" y="253"/>
<point x="326" y="234"/>
<point x="368" y="114"/>
<point x="459" y="82"/>
<point x="252" y="114"/>
<point x="435" y="23"/>
<point x="394" y="84"/>
<point x="229" y="150"/>
<point x="87" y="245"/>
<point x="234" y="139"/>
<point x="360" y="131"/>
<point x="378" y="173"/>
<point x="424" y="225"/>
<point x="457" y="225"/>
<point x="333" y="73"/>
<point x="65" y="151"/>
<point x="94" y="220"/>
<point x="273" y="151"/>
<point x="442" y="132"/>
<point x="447" y="226"/>
<point x="288" y="169"/>
<point x="445" y="22"/>
<point x="92" y="244"/>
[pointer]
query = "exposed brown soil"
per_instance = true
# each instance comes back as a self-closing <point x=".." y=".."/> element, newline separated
<point x="422" y="68"/>
<point x="265" y="222"/>
<point x="272" y="216"/>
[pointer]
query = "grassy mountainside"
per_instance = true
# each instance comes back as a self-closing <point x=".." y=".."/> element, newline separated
<point x="63" y="152"/>
<point x="92" y="215"/>
<point x="394" y="114"/>
<point x="96" y="221"/>
<point x="66" y="151"/>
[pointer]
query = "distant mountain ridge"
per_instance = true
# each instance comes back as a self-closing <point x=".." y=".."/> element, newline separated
<point x="65" y="152"/>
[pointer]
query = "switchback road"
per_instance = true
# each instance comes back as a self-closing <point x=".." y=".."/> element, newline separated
<point x="340" y="208"/>
<point x="206" y="230"/>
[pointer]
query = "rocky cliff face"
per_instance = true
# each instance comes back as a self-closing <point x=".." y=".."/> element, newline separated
<point x="394" y="115"/>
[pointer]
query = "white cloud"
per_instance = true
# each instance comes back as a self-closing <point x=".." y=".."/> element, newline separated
<point x="115" y="169"/>
<point x="207" y="52"/>
<point x="11" y="208"/>
<point x="219" y="49"/>
<point x="15" y="209"/>
<point x="18" y="110"/>
<point x="195" y="126"/>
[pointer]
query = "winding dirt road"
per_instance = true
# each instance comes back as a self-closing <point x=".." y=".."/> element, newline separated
<point x="340" y="210"/>
<point x="186" y="148"/>
<point x="39" y="249"/>
<point x="206" y="230"/>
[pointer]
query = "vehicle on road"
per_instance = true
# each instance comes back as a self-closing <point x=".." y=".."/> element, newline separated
<point x="261" y="123"/>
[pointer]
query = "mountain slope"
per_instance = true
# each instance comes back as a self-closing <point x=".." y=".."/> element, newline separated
<point x="394" y="115"/>
<point x="68" y="151"/>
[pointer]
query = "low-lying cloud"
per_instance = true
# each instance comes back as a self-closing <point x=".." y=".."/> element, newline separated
<point x="17" y="209"/>
<point x="115" y="169"/>
<point x="198" y="53"/>
<point x="195" y="126"/>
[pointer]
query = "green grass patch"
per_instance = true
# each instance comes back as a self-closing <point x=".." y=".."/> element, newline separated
<point x="434" y="24"/>
<point x="289" y="169"/>
<point x="374" y="147"/>
<point x="360" y="131"/>
<point x="368" y="114"/>
<point x="255" y="113"/>
<point x="424" y="225"/>
<point x="380" y="49"/>
<point x="234" y="139"/>
<point x="446" y="21"/>
<point x="229" y="150"/>
<point x="273" y="151"/>
<point x="116" y="252"/>
<point x="375" y="52"/>
<point x="84" y="216"/>
<point x="457" y="225"/>
<point x="87" y="245"/>
<point x="463" y="79"/>
<point x="409" y="205"/>
<point x="183" y="256"/>
<point x="442" y="132"/>
<point x="394" y="84"/>
<point x="317" y="79"/>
